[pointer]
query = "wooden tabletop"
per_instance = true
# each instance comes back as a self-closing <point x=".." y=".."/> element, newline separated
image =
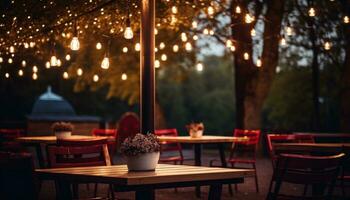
<point x="203" y="139"/>
<point x="164" y="173"/>
<point x="52" y="139"/>
<point x="311" y="147"/>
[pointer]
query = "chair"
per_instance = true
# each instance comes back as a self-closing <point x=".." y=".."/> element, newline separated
<point x="112" y="146"/>
<point x="170" y="147"/>
<point x="285" y="138"/>
<point x="17" y="179"/>
<point x="8" y="140"/>
<point x="344" y="177"/>
<point x="128" y="126"/>
<point x="79" y="153"/>
<point x="305" y="170"/>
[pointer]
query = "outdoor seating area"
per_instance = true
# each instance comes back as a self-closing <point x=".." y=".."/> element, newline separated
<point x="174" y="99"/>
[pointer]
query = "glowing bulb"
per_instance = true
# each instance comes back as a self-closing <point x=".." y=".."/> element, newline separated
<point x="128" y="34"/>
<point x="248" y="19"/>
<point x="137" y="47"/>
<point x="53" y="61"/>
<point x="162" y="45"/>
<point x="67" y="57"/>
<point x="258" y="62"/>
<point x="246" y="56"/>
<point x="156" y="64"/>
<point x="98" y="46"/>
<point x="253" y="32"/>
<point x="105" y="63"/>
<point x="10" y="60"/>
<point x="26" y="45"/>
<point x="194" y="24"/>
<point x="206" y="31"/>
<point x="174" y="9"/>
<point x="34" y="76"/>
<point x="327" y="45"/>
<point x="95" y="78"/>
<point x="163" y="57"/>
<point x="228" y="43"/>
<point x="75" y="44"/>
<point x="176" y="48"/>
<point x="65" y="75"/>
<point x="233" y="48"/>
<point x="7" y="75"/>
<point x="31" y="44"/>
<point x="155" y="31"/>
<point x="47" y="65"/>
<point x="20" y="72"/>
<point x="289" y="31"/>
<point x="24" y="63"/>
<point x="183" y="37"/>
<point x="35" y="69"/>
<point x="79" y="72"/>
<point x="12" y="49"/>
<point x="199" y="67"/>
<point x="211" y="32"/>
<point x="124" y="76"/>
<point x="238" y="10"/>
<point x="188" y="46"/>
<point x="1" y="60"/>
<point x="283" y="41"/>
<point x="125" y="49"/>
<point x="346" y="19"/>
<point x="59" y="63"/>
<point x="312" y="12"/>
<point x="195" y="37"/>
<point x="210" y="10"/>
<point x="155" y="49"/>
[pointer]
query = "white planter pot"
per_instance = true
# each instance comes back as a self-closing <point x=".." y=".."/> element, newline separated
<point x="196" y="134"/>
<point x="143" y="162"/>
<point x="63" y="134"/>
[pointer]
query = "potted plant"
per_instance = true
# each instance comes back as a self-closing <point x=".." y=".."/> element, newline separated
<point x="195" y="129"/>
<point x="141" y="152"/>
<point x="62" y="129"/>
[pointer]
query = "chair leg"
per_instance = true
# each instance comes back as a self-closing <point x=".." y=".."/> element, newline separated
<point x="230" y="189"/>
<point x="111" y="191"/>
<point x="256" y="178"/>
<point x="95" y="190"/>
<point x="75" y="188"/>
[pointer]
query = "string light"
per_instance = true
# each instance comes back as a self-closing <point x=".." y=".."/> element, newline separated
<point x="124" y="77"/>
<point x="105" y="63"/>
<point x="79" y="72"/>
<point x="47" y="65"/>
<point x="183" y="37"/>
<point x="7" y="75"/>
<point x="34" y="76"/>
<point x="20" y="72"/>
<point x="253" y="32"/>
<point x="65" y="75"/>
<point x="188" y="46"/>
<point x="258" y="62"/>
<point x="1" y="60"/>
<point x="246" y="56"/>
<point x="35" y="69"/>
<point x="195" y="37"/>
<point x="312" y="12"/>
<point x="31" y="44"/>
<point x="327" y="45"/>
<point x="161" y="45"/>
<point x="206" y="31"/>
<point x="346" y="19"/>
<point x="10" y="60"/>
<point x="59" y="63"/>
<point x="95" y="78"/>
<point x="24" y="63"/>
<point x="53" y="61"/>
<point x="211" y="32"/>
<point x="238" y="10"/>
<point x="289" y="31"/>
<point x="233" y="48"/>
<point x="164" y="57"/>
<point x="283" y="41"/>
<point x="26" y="45"/>
<point x="125" y="49"/>
<point x="199" y="67"/>
<point x="75" y="44"/>
<point x="98" y="46"/>
<point x="210" y="10"/>
<point x="228" y="43"/>
<point x="194" y="24"/>
<point x="12" y="49"/>
<point x="155" y="31"/>
<point x="137" y="47"/>
<point x="174" y="10"/>
<point x="176" y="48"/>
<point x="128" y="34"/>
<point x="67" y="57"/>
<point x="248" y="18"/>
<point x="156" y="64"/>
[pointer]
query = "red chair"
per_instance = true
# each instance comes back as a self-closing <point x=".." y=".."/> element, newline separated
<point x="17" y="177"/>
<point x="170" y="147"/>
<point x="128" y="126"/>
<point x="8" y="140"/>
<point x="305" y="170"/>
<point x="112" y="145"/>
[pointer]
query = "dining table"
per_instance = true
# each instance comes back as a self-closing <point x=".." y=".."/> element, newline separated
<point x="144" y="183"/>
<point x="310" y="147"/>
<point x="40" y="142"/>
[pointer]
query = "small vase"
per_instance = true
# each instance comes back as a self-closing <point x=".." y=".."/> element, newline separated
<point x="63" y="134"/>
<point x="143" y="162"/>
<point x="196" y="134"/>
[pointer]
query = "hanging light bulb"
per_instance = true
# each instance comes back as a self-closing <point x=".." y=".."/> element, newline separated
<point x="65" y="75"/>
<point x="194" y="24"/>
<point x="26" y="45"/>
<point x="67" y="57"/>
<point x="124" y="77"/>
<point x="233" y="48"/>
<point x="10" y="60"/>
<point x="7" y="75"/>
<point x="24" y="63"/>
<point x="47" y="65"/>
<point x="95" y="78"/>
<point x="195" y="37"/>
<point x="125" y="49"/>
<point x="183" y="37"/>
<point x="258" y="62"/>
<point x="210" y="10"/>
<point x="228" y="43"/>
<point x="211" y="32"/>
<point x="248" y="18"/>
<point x="31" y="44"/>
<point x="161" y="45"/>
<point x="128" y="34"/>
<point x="105" y="63"/>
<point x="253" y="32"/>
<point x="12" y="49"/>
<point x="20" y="72"/>
<point x="199" y="67"/>
<point x="346" y="19"/>
<point x="312" y="12"/>
<point x="238" y="10"/>
<point x="53" y="61"/>
<point x="156" y="64"/>
<point x="98" y="46"/>
<point x="1" y="60"/>
<point x="155" y="31"/>
<point x="289" y="31"/>
<point x="327" y="45"/>
<point x="164" y="57"/>
<point x="174" y="10"/>
<point x="75" y="44"/>
<point x="137" y="47"/>
<point x="79" y="72"/>
<point x="176" y="48"/>
<point x="206" y="31"/>
<point x="34" y="76"/>
<point x="155" y="49"/>
<point x="188" y="46"/>
<point x="35" y="69"/>
<point x="246" y="56"/>
<point x="59" y="63"/>
<point x="283" y="41"/>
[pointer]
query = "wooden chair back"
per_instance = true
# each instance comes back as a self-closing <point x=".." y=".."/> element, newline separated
<point x="169" y="146"/>
<point x="128" y="126"/>
<point x="78" y="153"/>
<point x="306" y="170"/>
<point x="17" y="179"/>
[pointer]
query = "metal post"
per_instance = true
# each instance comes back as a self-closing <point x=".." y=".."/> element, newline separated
<point x="147" y="82"/>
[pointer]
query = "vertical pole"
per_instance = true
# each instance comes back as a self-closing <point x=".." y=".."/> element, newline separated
<point x="147" y="82"/>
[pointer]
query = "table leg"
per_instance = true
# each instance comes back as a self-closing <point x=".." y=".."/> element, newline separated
<point x="40" y="155"/>
<point x="145" y="195"/>
<point x="63" y="191"/>
<point x="198" y="162"/>
<point x="215" y="192"/>
<point x="222" y="155"/>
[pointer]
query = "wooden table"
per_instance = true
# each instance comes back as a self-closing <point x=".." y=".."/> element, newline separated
<point x="144" y="183"/>
<point x="205" y="139"/>
<point x="39" y="141"/>
<point x="310" y="147"/>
